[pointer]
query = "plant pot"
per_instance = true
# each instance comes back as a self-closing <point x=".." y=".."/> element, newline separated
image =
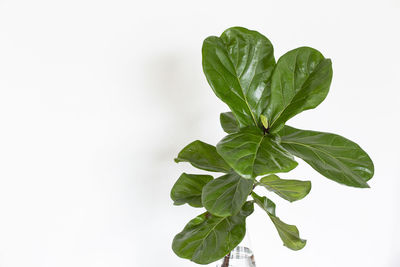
<point x="241" y="256"/>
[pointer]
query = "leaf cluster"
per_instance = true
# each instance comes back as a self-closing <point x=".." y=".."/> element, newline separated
<point x="262" y="95"/>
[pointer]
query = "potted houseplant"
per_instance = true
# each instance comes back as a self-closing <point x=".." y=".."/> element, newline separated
<point x="262" y="95"/>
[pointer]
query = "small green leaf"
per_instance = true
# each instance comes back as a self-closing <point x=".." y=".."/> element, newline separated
<point x="300" y="81"/>
<point x="251" y="153"/>
<point x="238" y="66"/>
<point x="229" y="122"/>
<point x="333" y="156"/>
<point x="208" y="238"/>
<point x="289" y="234"/>
<point x="226" y="195"/>
<point x="265" y="203"/>
<point x="203" y="156"/>
<point x="188" y="189"/>
<point x="290" y="190"/>
<point x="264" y="121"/>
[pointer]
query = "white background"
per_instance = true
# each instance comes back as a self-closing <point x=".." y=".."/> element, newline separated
<point x="98" y="97"/>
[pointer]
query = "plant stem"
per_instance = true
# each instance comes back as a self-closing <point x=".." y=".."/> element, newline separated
<point x="226" y="260"/>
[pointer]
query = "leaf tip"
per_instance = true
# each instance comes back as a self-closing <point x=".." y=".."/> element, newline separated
<point x="309" y="186"/>
<point x="297" y="247"/>
<point x="364" y="185"/>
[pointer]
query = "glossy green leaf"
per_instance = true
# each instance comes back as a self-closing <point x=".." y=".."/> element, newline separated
<point x="229" y="122"/>
<point x="251" y="153"/>
<point x="290" y="190"/>
<point x="334" y="156"/>
<point x="226" y="195"/>
<point x="188" y="189"/>
<point x="300" y="81"/>
<point x="238" y="66"/>
<point x="289" y="234"/>
<point x="208" y="238"/>
<point x="203" y="156"/>
<point x="265" y="203"/>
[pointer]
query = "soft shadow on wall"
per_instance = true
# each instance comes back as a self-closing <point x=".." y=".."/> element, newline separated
<point x="174" y="87"/>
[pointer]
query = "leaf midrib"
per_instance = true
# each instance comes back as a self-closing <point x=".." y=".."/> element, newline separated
<point x="286" y="233"/>
<point x="301" y="87"/>
<point x="227" y="192"/>
<point x="241" y="87"/>
<point x="256" y="152"/>
<point x="278" y="189"/>
<point x="322" y="151"/>
<point x="280" y="82"/>
<point x="212" y="230"/>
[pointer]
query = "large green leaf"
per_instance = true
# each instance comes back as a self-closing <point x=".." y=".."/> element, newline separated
<point x="226" y="195"/>
<point x="229" y="122"/>
<point x="203" y="156"/>
<point x="251" y="153"/>
<point x="289" y="234"/>
<point x="238" y="66"/>
<point x="300" y="81"/>
<point x="290" y="190"/>
<point x="334" y="156"/>
<point x="188" y="189"/>
<point x="208" y="238"/>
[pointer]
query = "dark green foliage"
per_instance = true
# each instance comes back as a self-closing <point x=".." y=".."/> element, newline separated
<point x="262" y="95"/>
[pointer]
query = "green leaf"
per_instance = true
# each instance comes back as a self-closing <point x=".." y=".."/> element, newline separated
<point x="265" y="203"/>
<point x="203" y="156"/>
<point x="333" y="156"/>
<point x="290" y="190"/>
<point x="226" y="195"/>
<point x="289" y="234"/>
<point x="251" y="153"/>
<point x="300" y="81"/>
<point x="188" y="189"/>
<point x="238" y="66"/>
<point x="208" y="238"/>
<point x="229" y="122"/>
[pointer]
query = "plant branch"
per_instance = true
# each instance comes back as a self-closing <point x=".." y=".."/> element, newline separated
<point x="226" y="260"/>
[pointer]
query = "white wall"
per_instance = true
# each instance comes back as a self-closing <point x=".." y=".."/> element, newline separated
<point x="97" y="97"/>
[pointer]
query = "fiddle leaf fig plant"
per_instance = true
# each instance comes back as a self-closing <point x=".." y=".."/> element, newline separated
<point x="262" y="95"/>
